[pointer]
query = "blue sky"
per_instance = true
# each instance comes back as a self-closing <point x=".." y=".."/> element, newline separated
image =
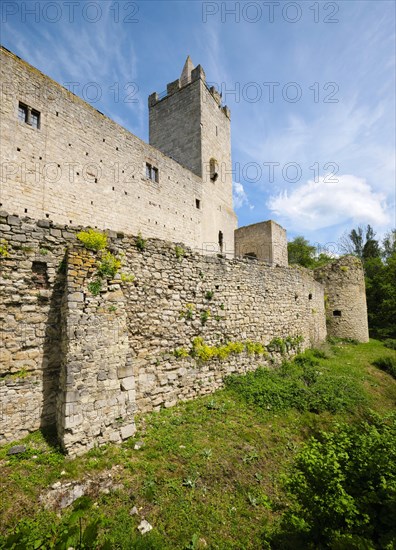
<point x="311" y="88"/>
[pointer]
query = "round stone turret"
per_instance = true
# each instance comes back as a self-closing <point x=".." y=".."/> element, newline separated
<point x="345" y="298"/>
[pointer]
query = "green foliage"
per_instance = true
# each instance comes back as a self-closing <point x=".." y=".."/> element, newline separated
<point x="181" y="352"/>
<point x="95" y="287"/>
<point x="188" y="312"/>
<point x="298" y="384"/>
<point x="93" y="240"/>
<point x="343" y="490"/>
<point x="387" y="364"/>
<point x="205" y="314"/>
<point x="179" y="251"/>
<point x="203" y="352"/>
<point x="108" y="265"/>
<point x="300" y="252"/>
<point x="140" y="242"/>
<point x="127" y="277"/>
<point x="390" y="343"/>
<point x="43" y="251"/>
<point x="283" y="345"/>
<point x="3" y="248"/>
<point x="209" y="294"/>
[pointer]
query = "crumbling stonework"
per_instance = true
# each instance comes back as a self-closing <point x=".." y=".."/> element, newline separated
<point x="345" y="298"/>
<point x="266" y="241"/>
<point x="88" y="362"/>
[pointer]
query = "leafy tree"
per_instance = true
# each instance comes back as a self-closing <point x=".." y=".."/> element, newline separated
<point x="302" y="253"/>
<point x="360" y="242"/>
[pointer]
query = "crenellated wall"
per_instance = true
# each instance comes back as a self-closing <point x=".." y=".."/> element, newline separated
<point x="88" y="362"/>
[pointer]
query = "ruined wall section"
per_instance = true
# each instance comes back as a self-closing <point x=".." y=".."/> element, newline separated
<point x="31" y="290"/>
<point x="96" y="398"/>
<point x="84" y="361"/>
<point x="81" y="168"/>
<point x="345" y="298"/>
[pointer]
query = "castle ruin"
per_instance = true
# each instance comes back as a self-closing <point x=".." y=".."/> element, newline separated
<point x="87" y="361"/>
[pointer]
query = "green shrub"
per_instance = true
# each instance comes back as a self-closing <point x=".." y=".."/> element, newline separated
<point x="179" y="251"/>
<point x="3" y="248"/>
<point x="181" y="352"/>
<point x="209" y="294"/>
<point x="390" y="343"/>
<point x="127" y="277"/>
<point x="95" y="287"/>
<point x="297" y="384"/>
<point x="140" y="242"/>
<point x="342" y="490"/>
<point x="205" y="314"/>
<point x="108" y="265"/>
<point x="93" y="240"/>
<point x="387" y="364"/>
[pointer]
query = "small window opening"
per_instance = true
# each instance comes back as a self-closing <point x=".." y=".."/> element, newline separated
<point x="250" y="256"/>
<point x="336" y="313"/>
<point x="309" y="296"/>
<point x="152" y="172"/>
<point x="22" y="112"/>
<point x="214" y="172"/>
<point x="35" y="119"/>
<point x="198" y="203"/>
<point x="40" y="275"/>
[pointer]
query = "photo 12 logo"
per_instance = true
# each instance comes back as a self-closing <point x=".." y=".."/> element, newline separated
<point x="272" y="92"/>
<point x="270" y="12"/>
<point x="53" y="12"/>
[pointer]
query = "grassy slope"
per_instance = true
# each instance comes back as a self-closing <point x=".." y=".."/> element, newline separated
<point x="208" y="470"/>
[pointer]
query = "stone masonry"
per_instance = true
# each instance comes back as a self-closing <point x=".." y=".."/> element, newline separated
<point x="86" y="363"/>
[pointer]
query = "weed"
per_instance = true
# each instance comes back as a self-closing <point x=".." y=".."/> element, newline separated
<point x="108" y="265"/>
<point x="44" y="251"/>
<point x="3" y="249"/>
<point x="95" y="287"/>
<point x="181" y="352"/>
<point x="93" y="240"/>
<point x="209" y="294"/>
<point x="140" y="242"/>
<point x="127" y="277"/>
<point x="205" y="315"/>
<point x="188" y="312"/>
<point x="179" y="251"/>
<point x="112" y="308"/>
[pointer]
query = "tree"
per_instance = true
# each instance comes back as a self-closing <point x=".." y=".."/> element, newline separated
<point x="302" y="253"/>
<point x="360" y="242"/>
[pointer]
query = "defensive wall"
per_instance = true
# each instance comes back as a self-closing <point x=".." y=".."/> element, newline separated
<point x="87" y="362"/>
<point x="74" y="165"/>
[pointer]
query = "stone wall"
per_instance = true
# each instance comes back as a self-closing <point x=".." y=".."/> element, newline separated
<point x="80" y="167"/>
<point x="345" y="298"/>
<point x="87" y="362"/>
<point x="266" y="241"/>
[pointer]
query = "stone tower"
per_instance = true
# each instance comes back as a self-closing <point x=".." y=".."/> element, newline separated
<point x="189" y="124"/>
<point x="345" y="298"/>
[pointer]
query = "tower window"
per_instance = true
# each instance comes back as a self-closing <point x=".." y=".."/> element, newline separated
<point x="152" y="172"/>
<point x="22" y="112"/>
<point x="28" y="115"/>
<point x="198" y="203"/>
<point x="214" y="173"/>
<point x="35" y="119"/>
<point x="336" y="313"/>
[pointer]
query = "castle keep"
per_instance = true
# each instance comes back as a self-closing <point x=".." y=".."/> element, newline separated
<point x="85" y="360"/>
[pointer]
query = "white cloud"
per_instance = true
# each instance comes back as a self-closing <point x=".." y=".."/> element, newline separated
<point x="239" y="195"/>
<point x="316" y="205"/>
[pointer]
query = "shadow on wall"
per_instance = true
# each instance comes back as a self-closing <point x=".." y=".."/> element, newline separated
<point x="52" y="359"/>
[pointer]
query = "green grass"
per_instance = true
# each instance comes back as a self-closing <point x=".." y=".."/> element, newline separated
<point x="209" y="474"/>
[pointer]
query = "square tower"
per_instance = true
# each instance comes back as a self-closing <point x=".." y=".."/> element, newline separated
<point x="189" y="124"/>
